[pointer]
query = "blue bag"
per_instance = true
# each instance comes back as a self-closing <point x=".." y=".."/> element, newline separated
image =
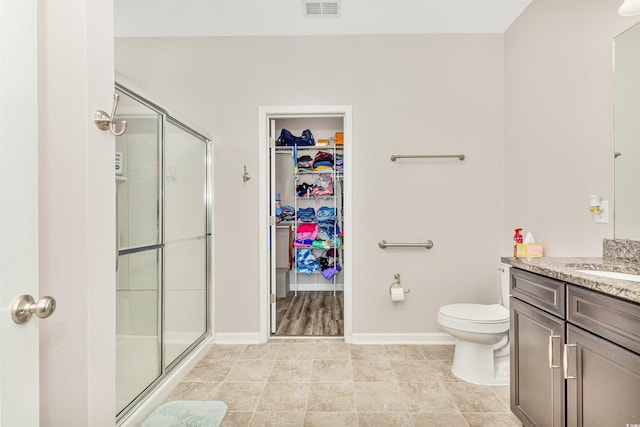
<point x="287" y="139"/>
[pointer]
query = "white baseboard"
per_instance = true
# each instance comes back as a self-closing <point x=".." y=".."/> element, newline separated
<point x="431" y="338"/>
<point x="238" y="338"/>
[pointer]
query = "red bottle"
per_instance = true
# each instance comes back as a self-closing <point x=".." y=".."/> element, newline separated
<point x="518" y="239"/>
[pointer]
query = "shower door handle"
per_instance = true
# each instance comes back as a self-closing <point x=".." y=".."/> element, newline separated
<point x="117" y="243"/>
<point x="25" y="306"/>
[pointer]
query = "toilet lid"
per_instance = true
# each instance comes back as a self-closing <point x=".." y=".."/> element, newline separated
<point x="478" y="313"/>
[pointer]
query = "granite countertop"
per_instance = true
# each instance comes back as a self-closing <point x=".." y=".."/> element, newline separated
<point x="566" y="269"/>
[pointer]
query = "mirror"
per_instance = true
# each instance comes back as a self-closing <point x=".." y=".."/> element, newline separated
<point x="626" y="95"/>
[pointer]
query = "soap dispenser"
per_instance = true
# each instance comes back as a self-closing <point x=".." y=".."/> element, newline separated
<point x="518" y="239"/>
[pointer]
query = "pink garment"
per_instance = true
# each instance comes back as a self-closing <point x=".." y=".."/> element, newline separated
<point x="323" y="185"/>
<point x="307" y="231"/>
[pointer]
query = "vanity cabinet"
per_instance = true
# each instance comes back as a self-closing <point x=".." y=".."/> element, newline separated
<point x="537" y="332"/>
<point x="575" y="355"/>
<point x="602" y="360"/>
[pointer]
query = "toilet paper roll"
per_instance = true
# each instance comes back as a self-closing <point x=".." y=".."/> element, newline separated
<point x="397" y="294"/>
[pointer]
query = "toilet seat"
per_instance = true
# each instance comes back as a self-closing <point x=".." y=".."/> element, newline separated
<point x="477" y="313"/>
<point x="480" y="318"/>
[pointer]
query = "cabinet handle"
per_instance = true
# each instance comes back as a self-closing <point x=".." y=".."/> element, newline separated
<point x="551" y="365"/>
<point x="566" y="365"/>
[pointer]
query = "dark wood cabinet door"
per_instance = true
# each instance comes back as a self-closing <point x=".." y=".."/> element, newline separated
<point x="537" y="383"/>
<point x="606" y="387"/>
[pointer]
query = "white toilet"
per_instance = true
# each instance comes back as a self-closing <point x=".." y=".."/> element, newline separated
<point x="482" y="330"/>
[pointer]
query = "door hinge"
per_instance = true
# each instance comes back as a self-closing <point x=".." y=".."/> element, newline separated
<point x="272" y="142"/>
<point x="272" y="298"/>
<point x="272" y="221"/>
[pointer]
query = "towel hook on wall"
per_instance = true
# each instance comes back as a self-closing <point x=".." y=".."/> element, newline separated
<point x="108" y="122"/>
<point x="246" y="176"/>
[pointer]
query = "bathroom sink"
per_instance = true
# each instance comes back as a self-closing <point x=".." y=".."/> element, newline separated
<point x="612" y="275"/>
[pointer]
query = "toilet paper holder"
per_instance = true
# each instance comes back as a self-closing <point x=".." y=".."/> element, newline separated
<point x="397" y="283"/>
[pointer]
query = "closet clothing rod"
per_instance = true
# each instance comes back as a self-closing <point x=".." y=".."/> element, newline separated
<point x="384" y="245"/>
<point x="426" y="156"/>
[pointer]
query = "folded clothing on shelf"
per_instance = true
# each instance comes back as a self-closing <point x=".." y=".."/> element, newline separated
<point x="323" y="162"/>
<point x="307" y="214"/>
<point x="305" y="163"/>
<point x="329" y="264"/>
<point x="329" y="272"/>
<point x="287" y="213"/>
<point x="330" y="227"/>
<point x="304" y="189"/>
<point x="326" y="213"/>
<point x="323" y="186"/>
<point x="307" y="231"/>
<point x="306" y="262"/>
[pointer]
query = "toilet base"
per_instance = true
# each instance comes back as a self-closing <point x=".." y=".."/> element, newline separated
<point x="477" y="364"/>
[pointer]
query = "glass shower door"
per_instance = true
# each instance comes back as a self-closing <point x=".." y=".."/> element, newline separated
<point x="163" y="275"/>
<point x="186" y="232"/>
<point x="139" y="235"/>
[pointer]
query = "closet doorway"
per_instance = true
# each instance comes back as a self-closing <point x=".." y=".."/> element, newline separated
<point x="306" y="276"/>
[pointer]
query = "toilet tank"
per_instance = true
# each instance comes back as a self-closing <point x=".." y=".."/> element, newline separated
<point x="505" y="283"/>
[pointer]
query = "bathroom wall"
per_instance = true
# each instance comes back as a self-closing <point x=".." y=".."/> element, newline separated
<point x="435" y="94"/>
<point x="559" y="122"/>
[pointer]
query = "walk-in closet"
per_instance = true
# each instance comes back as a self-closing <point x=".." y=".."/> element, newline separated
<point x="307" y="210"/>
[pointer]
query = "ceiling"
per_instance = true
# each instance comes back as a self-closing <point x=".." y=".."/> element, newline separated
<point x="202" y="18"/>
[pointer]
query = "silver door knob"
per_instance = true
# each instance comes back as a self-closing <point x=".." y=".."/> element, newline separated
<point x="25" y="306"/>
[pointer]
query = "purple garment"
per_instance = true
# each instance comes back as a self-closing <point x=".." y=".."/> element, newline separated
<point x="328" y="273"/>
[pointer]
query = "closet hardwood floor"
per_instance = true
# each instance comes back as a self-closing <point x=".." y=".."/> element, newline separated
<point x="311" y="313"/>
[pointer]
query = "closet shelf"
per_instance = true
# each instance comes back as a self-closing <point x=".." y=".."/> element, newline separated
<point x="336" y="174"/>
<point x="282" y="149"/>
<point x="320" y="271"/>
<point x="314" y="247"/>
<point x="313" y="198"/>
<point x="295" y="222"/>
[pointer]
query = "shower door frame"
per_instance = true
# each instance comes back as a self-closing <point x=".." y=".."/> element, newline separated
<point x="207" y="139"/>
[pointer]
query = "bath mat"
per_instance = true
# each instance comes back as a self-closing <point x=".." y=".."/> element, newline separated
<point x="187" y="413"/>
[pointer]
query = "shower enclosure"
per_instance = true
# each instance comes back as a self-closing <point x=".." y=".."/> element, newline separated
<point x="163" y="243"/>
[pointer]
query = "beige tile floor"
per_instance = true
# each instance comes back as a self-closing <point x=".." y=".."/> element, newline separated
<point x="330" y="383"/>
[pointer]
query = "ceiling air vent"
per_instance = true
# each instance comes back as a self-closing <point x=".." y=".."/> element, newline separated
<point x="321" y="9"/>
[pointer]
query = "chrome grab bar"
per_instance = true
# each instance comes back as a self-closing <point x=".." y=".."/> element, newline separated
<point x="426" y="156"/>
<point x="383" y="244"/>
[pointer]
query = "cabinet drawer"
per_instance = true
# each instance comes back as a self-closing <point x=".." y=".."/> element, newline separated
<point x="539" y="291"/>
<point x="611" y="318"/>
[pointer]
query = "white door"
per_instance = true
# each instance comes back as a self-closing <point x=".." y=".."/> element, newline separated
<point x="19" y="391"/>
<point x="57" y="212"/>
